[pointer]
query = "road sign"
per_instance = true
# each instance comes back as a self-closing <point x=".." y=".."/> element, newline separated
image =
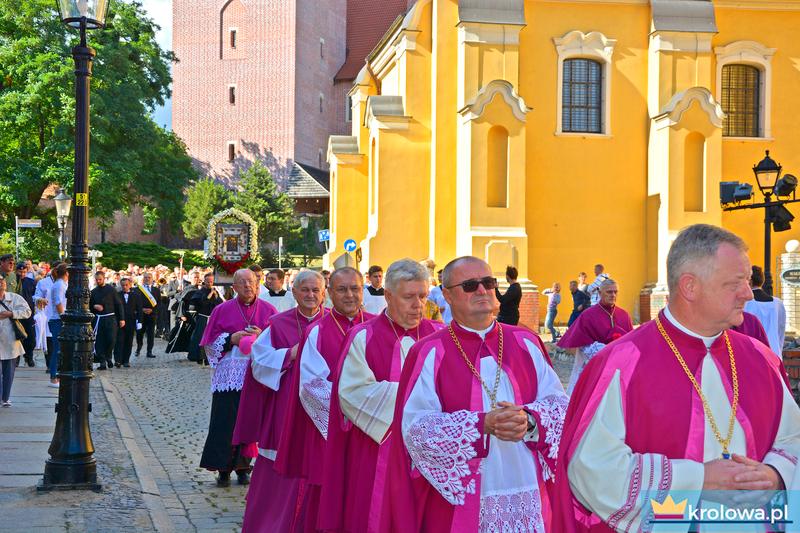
<point x="350" y="245"/>
<point x="791" y="277"/>
<point x="29" y="223"/>
<point x="324" y="235"/>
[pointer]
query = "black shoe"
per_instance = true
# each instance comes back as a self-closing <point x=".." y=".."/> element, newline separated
<point x="126" y="365"/>
<point x="151" y="356"/>
<point x="102" y="367"/>
<point x="224" y="479"/>
<point x="244" y="478"/>
<point x="117" y="365"/>
<point x="30" y="362"/>
<point x="138" y="352"/>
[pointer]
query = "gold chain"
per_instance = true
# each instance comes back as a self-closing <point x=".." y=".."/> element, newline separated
<point x="492" y="394"/>
<point x="611" y="314"/>
<point x="727" y="440"/>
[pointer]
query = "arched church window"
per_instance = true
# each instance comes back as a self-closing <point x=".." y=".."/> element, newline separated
<point x="582" y="96"/>
<point x="740" y="100"/>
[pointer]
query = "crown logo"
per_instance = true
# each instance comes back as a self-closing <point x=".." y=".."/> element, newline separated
<point x="669" y="509"/>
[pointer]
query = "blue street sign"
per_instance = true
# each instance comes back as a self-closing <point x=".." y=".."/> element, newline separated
<point x="350" y="245"/>
<point x="324" y="235"/>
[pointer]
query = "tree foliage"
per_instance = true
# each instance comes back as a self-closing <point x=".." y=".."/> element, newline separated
<point x="204" y="199"/>
<point x="133" y="161"/>
<point x="272" y="209"/>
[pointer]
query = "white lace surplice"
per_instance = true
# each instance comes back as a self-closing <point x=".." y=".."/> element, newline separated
<point x="441" y="445"/>
<point x="229" y="368"/>
<point x="315" y="387"/>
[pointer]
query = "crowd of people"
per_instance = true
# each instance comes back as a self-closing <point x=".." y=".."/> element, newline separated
<point x="390" y="402"/>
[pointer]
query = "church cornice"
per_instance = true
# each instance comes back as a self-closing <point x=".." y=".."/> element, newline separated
<point x="672" y="113"/>
<point x="475" y="108"/>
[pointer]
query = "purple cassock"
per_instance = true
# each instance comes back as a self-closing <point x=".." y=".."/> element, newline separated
<point x="639" y="379"/>
<point x="444" y="475"/>
<point x="272" y="499"/>
<point x="599" y="323"/>
<point x="301" y="450"/>
<point x="356" y="463"/>
<point x="751" y="326"/>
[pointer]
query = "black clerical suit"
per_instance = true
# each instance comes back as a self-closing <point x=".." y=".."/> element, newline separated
<point x="202" y="302"/>
<point x="107" y="316"/>
<point x="148" y="319"/>
<point x="27" y="288"/>
<point x="132" y="306"/>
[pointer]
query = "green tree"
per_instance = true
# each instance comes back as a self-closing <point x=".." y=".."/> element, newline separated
<point x="272" y="209"/>
<point x="133" y="161"/>
<point x="204" y="199"/>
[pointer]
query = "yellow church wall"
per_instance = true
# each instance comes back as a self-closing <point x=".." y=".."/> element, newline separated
<point x="613" y="198"/>
<point x="586" y="193"/>
<point x="443" y="134"/>
<point x="775" y="30"/>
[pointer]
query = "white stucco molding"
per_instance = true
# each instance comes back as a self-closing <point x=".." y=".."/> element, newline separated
<point x="475" y="108"/>
<point x="343" y="149"/>
<point x="756" y="55"/>
<point x="672" y="113"/>
<point x="385" y="112"/>
<point x="592" y="45"/>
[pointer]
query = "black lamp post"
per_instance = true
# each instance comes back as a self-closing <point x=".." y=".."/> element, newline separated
<point x="776" y="216"/>
<point x="304" y="220"/>
<point x="63" y="203"/>
<point x="767" y="172"/>
<point x="72" y="464"/>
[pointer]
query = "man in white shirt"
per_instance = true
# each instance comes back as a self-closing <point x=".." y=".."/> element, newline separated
<point x="769" y="310"/>
<point x="374" y="299"/>
<point x="594" y="288"/>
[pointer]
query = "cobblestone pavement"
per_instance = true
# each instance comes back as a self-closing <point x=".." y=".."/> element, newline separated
<point x="168" y="400"/>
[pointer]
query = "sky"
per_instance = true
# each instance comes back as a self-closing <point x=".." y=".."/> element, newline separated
<point x="161" y="13"/>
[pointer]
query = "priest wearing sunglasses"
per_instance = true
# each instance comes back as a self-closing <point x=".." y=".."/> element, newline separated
<point x="480" y="411"/>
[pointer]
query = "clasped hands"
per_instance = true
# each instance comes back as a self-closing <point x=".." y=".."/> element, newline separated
<point x="506" y="422"/>
<point x="755" y="483"/>
<point x="6" y="314"/>
<point x="239" y="335"/>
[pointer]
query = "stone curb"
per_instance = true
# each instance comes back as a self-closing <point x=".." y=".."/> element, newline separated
<point x="150" y="493"/>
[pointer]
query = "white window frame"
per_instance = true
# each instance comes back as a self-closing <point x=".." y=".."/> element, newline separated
<point x="757" y="55"/>
<point x="348" y="109"/>
<point x="578" y="45"/>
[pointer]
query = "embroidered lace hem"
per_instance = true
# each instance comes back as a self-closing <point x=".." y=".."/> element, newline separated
<point x="512" y="513"/>
<point x="441" y="446"/>
<point x="316" y="399"/>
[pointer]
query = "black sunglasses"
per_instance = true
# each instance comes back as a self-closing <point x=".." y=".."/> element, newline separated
<point x="471" y="285"/>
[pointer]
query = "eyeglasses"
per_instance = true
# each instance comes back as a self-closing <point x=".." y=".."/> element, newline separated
<point x="471" y="285"/>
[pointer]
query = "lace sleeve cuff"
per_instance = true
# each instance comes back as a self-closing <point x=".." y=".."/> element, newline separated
<point x="216" y="350"/>
<point x="549" y="413"/>
<point x="441" y="446"/>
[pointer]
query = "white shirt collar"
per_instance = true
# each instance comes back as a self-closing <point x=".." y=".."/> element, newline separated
<point x="708" y="341"/>
<point x="481" y="332"/>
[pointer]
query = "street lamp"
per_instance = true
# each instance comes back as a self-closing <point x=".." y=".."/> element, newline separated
<point x="776" y="216"/>
<point x="304" y="220"/>
<point x="72" y="464"/>
<point x="63" y="205"/>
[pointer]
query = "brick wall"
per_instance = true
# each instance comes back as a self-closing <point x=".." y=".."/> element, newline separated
<point x="261" y="122"/>
<point x="320" y="52"/>
<point x="529" y="309"/>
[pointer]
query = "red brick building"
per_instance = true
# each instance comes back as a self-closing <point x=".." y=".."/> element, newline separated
<point x="268" y="79"/>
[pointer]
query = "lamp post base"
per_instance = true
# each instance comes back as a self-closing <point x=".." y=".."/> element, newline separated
<point x="69" y="475"/>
